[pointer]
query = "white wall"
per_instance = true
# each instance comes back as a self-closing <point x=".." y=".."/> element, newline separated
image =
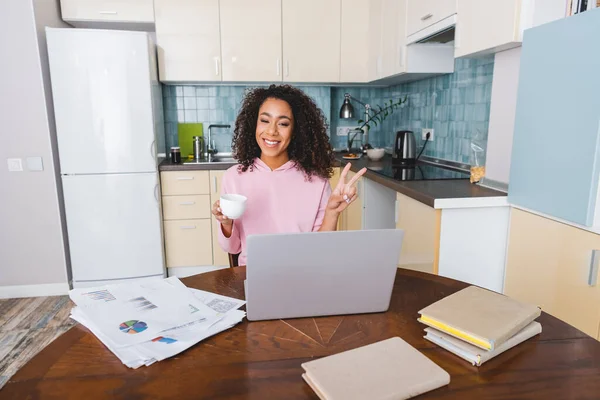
<point x="502" y="114"/>
<point x="32" y="249"/>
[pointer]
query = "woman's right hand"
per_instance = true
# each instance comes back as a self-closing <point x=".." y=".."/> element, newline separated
<point x="216" y="210"/>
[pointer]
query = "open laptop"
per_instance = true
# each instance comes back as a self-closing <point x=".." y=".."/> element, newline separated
<point x="321" y="273"/>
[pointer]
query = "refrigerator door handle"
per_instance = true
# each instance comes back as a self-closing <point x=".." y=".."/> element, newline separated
<point x="156" y="193"/>
<point x="153" y="149"/>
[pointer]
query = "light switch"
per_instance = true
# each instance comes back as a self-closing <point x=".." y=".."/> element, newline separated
<point x="15" y="165"/>
<point x="35" y="164"/>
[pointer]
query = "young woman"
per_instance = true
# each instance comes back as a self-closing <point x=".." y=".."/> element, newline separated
<point x="285" y="160"/>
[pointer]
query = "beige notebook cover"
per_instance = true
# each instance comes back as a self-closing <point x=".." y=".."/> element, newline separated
<point x="389" y="369"/>
<point x="481" y="317"/>
<point x="475" y="355"/>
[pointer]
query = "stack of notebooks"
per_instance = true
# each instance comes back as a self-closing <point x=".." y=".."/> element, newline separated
<point x="477" y="324"/>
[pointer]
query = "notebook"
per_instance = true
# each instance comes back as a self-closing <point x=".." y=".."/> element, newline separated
<point x="480" y="317"/>
<point x="474" y="354"/>
<point x="389" y="369"/>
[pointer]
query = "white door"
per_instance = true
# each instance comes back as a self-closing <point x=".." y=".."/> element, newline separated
<point x="114" y="226"/>
<point x="188" y="40"/>
<point x="311" y="40"/>
<point x="251" y="40"/>
<point x="101" y="87"/>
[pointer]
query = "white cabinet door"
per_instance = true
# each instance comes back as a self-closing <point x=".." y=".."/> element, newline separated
<point x="484" y="25"/>
<point x="375" y="48"/>
<point x="108" y="10"/>
<point x="423" y="13"/>
<point x="188" y="40"/>
<point x="251" y="40"/>
<point x="393" y="37"/>
<point x="113" y="224"/>
<point x="354" y="63"/>
<point x="101" y="87"/>
<point x="311" y="40"/>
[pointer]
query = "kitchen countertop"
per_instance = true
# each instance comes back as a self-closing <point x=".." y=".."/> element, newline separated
<point x="448" y="193"/>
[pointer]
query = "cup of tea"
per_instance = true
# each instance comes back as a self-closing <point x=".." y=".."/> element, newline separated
<point x="233" y="205"/>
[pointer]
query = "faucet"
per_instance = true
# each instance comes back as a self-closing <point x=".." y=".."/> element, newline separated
<point x="210" y="147"/>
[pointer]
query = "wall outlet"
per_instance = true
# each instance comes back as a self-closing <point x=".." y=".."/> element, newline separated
<point x="15" y="164"/>
<point x="425" y="131"/>
<point x="344" y="130"/>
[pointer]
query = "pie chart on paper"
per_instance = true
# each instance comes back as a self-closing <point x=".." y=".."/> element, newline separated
<point x="133" y="326"/>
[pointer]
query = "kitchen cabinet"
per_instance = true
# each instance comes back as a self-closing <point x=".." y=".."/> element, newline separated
<point x="188" y="40"/>
<point x="251" y="40"/>
<point x="355" y="41"/>
<point x="421" y="14"/>
<point x="375" y="44"/>
<point x="186" y="199"/>
<point x="550" y="264"/>
<point x="485" y="27"/>
<point x="352" y="217"/>
<point x="554" y="163"/>
<point x="311" y="40"/>
<point x="220" y="257"/>
<point x="79" y="12"/>
<point x="393" y="37"/>
<point x="421" y="225"/>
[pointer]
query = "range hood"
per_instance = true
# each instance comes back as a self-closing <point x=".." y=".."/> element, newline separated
<point x="428" y="52"/>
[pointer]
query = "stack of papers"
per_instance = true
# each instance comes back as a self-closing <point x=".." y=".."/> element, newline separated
<point x="142" y="323"/>
<point x="477" y="324"/>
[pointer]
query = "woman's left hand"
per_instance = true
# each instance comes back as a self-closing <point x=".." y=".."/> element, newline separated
<point x="344" y="193"/>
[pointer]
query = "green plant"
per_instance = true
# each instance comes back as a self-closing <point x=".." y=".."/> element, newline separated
<point x="381" y="113"/>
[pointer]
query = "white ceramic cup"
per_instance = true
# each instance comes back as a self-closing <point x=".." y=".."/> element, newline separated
<point x="233" y="205"/>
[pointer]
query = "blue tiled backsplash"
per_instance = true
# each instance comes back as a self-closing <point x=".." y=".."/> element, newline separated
<point x="456" y="106"/>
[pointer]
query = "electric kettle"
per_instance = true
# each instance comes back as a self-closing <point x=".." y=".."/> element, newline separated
<point x="405" y="148"/>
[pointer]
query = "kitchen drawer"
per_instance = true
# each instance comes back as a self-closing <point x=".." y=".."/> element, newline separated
<point x="422" y="13"/>
<point x="188" y="243"/>
<point x="186" y="207"/>
<point x="177" y="183"/>
<point x="108" y="10"/>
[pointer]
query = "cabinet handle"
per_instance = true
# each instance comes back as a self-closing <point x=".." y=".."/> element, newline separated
<point x="187" y="203"/>
<point x="426" y="17"/>
<point x="185" y="178"/>
<point x="594" y="262"/>
<point x="187" y="227"/>
<point x="217" y="66"/>
<point x="215" y="184"/>
<point x="287" y="68"/>
<point x="108" y="12"/>
<point x="278" y="67"/>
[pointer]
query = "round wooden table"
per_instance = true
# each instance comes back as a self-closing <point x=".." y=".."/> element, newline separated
<point x="261" y="360"/>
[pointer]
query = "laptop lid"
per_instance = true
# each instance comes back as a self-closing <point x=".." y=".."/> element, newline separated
<point x="312" y="274"/>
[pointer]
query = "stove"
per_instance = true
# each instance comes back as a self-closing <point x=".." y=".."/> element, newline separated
<point x="420" y="172"/>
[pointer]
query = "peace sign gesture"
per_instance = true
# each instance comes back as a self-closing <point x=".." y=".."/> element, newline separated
<point x="344" y="193"/>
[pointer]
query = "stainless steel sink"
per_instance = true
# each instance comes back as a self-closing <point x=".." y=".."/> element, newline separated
<point x="214" y="160"/>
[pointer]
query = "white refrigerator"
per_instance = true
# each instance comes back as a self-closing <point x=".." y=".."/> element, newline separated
<point x="108" y="109"/>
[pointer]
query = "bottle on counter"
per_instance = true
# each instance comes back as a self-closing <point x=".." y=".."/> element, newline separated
<point x="176" y="155"/>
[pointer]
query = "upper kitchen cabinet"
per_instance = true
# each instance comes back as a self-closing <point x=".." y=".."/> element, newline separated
<point x="424" y="15"/>
<point x="393" y="37"/>
<point x="490" y="26"/>
<point x="188" y="40"/>
<point x="555" y="165"/>
<point x="126" y="14"/>
<point x="251" y="40"/>
<point x="311" y="40"/>
<point x="354" y="66"/>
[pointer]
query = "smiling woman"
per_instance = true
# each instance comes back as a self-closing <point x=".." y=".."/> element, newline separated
<point x="285" y="159"/>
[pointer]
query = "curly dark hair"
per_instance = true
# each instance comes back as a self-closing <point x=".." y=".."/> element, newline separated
<point x="309" y="145"/>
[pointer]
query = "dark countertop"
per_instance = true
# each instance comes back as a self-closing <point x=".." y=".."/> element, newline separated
<point x="424" y="191"/>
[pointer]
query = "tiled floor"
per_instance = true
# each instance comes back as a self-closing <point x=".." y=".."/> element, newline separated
<point x="27" y="326"/>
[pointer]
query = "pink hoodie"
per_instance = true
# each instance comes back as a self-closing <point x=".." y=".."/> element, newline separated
<point x="279" y="201"/>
